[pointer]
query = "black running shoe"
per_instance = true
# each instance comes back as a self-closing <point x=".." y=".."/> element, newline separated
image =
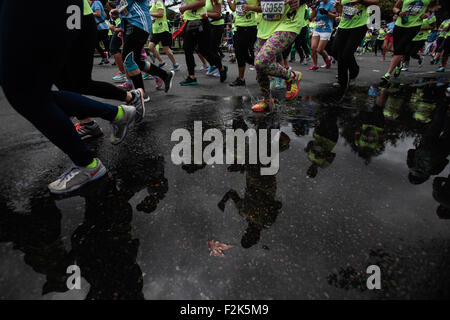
<point x="237" y="83"/>
<point x="169" y="80"/>
<point x="223" y="74"/>
<point x="86" y="131"/>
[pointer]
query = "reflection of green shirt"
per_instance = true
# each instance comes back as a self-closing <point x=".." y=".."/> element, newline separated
<point x="423" y="34"/>
<point x="415" y="9"/>
<point x="320" y="151"/>
<point x="196" y="14"/>
<point x="160" y="24"/>
<point x="247" y="18"/>
<point x="370" y="136"/>
<point x="353" y="15"/>
<point x="210" y="8"/>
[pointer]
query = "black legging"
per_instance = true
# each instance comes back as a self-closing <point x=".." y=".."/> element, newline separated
<point x="244" y="43"/>
<point x="193" y="38"/>
<point x="134" y="40"/>
<point x="300" y="44"/>
<point x="49" y="111"/>
<point x="378" y="45"/>
<point x="216" y="38"/>
<point x="102" y="37"/>
<point x="345" y="45"/>
<point x="413" y="49"/>
<point x="76" y="75"/>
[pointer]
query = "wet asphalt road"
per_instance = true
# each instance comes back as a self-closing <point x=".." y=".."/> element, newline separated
<point x="142" y="231"/>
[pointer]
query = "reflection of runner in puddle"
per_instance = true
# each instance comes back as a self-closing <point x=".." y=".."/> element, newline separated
<point x="421" y="104"/>
<point x="38" y="235"/>
<point x="441" y="193"/>
<point x="430" y="156"/>
<point x="320" y="150"/>
<point x="369" y="137"/>
<point x="103" y="245"/>
<point x="259" y="206"/>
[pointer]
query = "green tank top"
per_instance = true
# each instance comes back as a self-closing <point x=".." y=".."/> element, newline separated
<point x="415" y="9"/>
<point x="87" y="8"/>
<point x="196" y="14"/>
<point x="160" y="24"/>
<point x="353" y="15"/>
<point x="210" y="8"/>
<point x="423" y="34"/>
<point x="245" y="18"/>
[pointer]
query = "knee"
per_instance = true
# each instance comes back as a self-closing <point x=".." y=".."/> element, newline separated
<point x="259" y="63"/>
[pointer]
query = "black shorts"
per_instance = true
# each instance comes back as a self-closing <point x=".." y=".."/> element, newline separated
<point x="115" y="44"/>
<point x="446" y="46"/>
<point x="164" y="37"/>
<point x="403" y="38"/>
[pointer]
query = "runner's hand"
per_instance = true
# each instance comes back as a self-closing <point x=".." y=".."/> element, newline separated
<point x="403" y="13"/>
<point x="245" y="7"/>
<point x="294" y="4"/>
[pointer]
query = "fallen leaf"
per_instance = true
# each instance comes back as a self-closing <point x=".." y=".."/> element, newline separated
<point x="216" y="248"/>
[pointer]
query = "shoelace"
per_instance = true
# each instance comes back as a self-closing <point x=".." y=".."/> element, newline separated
<point x="78" y="127"/>
<point x="69" y="173"/>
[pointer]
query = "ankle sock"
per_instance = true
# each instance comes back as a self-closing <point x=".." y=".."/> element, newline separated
<point x="93" y="164"/>
<point x="119" y="114"/>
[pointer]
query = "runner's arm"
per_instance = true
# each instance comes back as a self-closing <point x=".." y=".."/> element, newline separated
<point x="193" y="6"/>
<point x="158" y="14"/>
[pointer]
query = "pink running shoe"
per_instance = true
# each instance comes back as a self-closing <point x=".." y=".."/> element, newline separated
<point x="328" y="63"/>
<point x="159" y="83"/>
<point x="313" y="68"/>
<point x="126" y="86"/>
<point x="383" y="59"/>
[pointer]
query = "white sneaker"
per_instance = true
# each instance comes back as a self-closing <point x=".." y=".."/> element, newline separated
<point x="76" y="177"/>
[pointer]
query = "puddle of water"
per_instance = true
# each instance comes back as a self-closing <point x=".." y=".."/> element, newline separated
<point x="146" y="199"/>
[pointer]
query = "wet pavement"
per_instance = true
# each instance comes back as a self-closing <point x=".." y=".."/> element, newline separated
<point x="358" y="185"/>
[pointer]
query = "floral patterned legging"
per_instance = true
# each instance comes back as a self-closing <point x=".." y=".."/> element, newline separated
<point x="265" y="59"/>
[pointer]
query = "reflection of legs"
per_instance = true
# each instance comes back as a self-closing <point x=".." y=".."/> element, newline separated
<point x="233" y="195"/>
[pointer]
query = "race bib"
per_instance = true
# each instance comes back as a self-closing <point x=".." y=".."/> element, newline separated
<point x="239" y="10"/>
<point x="122" y="7"/>
<point x="272" y="10"/>
<point x="415" y="7"/>
<point x="349" y="11"/>
<point x="320" y="24"/>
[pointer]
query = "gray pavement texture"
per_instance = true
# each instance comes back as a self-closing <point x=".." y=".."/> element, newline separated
<point x="142" y="231"/>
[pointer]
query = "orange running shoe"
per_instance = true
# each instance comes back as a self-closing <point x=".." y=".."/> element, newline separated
<point x="293" y="85"/>
<point x="264" y="105"/>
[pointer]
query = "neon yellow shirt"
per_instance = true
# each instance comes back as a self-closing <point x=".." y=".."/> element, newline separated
<point x="87" y="8"/>
<point x="159" y="25"/>
<point x="245" y="18"/>
<point x="290" y="21"/>
<point x="353" y="15"/>
<point x="381" y="34"/>
<point x="415" y="9"/>
<point x="423" y="34"/>
<point x="210" y="8"/>
<point x="196" y="14"/>
<point x="444" y="25"/>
